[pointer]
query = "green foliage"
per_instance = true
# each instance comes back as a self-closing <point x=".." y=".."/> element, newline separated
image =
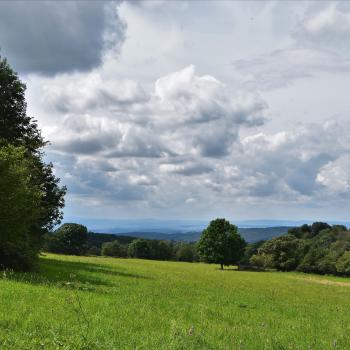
<point x="114" y="249"/>
<point x="15" y="126"/>
<point x="19" y="210"/>
<point x="140" y="248"/>
<point x="68" y="239"/>
<point x="20" y="130"/>
<point x="93" y="251"/>
<point x="186" y="252"/>
<point x="250" y="250"/>
<point x="317" y="248"/>
<point x="150" y="249"/>
<point x="281" y="253"/>
<point x="221" y="243"/>
<point x="343" y="264"/>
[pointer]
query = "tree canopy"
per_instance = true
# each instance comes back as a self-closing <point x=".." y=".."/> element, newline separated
<point x="221" y="243"/>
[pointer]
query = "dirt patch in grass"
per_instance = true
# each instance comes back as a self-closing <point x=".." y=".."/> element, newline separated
<point x="323" y="281"/>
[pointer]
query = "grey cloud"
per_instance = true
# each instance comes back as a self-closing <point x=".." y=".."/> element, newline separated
<point x="92" y="91"/>
<point x="50" y="37"/>
<point x="215" y="140"/>
<point x="283" y="67"/>
<point x="187" y="169"/>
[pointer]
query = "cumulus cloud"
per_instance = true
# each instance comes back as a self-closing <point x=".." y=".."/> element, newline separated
<point x="290" y="165"/>
<point x="182" y="114"/>
<point x="84" y="92"/>
<point x="202" y="99"/>
<point x="50" y="37"/>
<point x="335" y="175"/>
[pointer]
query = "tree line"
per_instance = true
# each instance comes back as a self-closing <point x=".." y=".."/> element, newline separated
<point x="318" y="248"/>
<point x="220" y="243"/>
<point x="31" y="199"/>
<point x="74" y="239"/>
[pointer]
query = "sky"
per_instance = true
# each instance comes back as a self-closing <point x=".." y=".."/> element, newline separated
<point x="190" y="109"/>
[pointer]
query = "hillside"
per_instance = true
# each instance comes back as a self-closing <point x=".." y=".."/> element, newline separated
<point x="104" y="304"/>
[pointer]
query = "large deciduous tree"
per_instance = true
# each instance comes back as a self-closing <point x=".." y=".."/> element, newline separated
<point x="20" y="130"/>
<point x="221" y="244"/>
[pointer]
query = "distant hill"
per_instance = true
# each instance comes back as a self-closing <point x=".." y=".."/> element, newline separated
<point x="249" y="234"/>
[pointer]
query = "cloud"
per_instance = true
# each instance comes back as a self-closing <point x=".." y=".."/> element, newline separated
<point x="181" y="114"/>
<point x="283" y="67"/>
<point x="91" y="91"/>
<point x="189" y="169"/>
<point x="335" y="175"/>
<point x="49" y="37"/>
<point x="202" y="99"/>
<point x="288" y="165"/>
<point x="178" y="143"/>
<point x="326" y="26"/>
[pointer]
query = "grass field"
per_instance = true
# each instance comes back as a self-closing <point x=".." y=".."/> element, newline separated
<point x="102" y="303"/>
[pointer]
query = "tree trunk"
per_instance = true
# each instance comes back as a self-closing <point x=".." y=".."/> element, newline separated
<point x="222" y="266"/>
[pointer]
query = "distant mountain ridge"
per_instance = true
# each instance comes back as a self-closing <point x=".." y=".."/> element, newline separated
<point x="249" y="234"/>
<point x="176" y="226"/>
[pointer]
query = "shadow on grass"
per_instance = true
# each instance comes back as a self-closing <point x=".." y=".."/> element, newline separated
<point x="71" y="275"/>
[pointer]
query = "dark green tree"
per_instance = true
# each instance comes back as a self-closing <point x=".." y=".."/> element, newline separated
<point x="221" y="244"/>
<point x="15" y="126"/>
<point x="68" y="239"/>
<point x="20" y="130"/>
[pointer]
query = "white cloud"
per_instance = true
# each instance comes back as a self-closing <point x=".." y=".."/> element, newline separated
<point x="335" y="175"/>
<point x="327" y="27"/>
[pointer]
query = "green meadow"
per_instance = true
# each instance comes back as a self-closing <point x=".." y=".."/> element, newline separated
<point x="106" y="303"/>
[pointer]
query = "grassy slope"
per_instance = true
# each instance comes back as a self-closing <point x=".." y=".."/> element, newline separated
<point x="101" y="303"/>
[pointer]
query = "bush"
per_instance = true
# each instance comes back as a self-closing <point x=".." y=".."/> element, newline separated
<point x="114" y="249"/>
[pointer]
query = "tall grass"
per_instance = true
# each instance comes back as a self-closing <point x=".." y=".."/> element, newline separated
<point x="105" y="303"/>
